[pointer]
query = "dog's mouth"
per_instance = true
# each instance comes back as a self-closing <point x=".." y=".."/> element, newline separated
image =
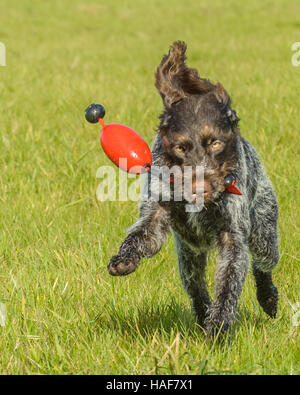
<point x="203" y="192"/>
<point x="199" y="197"/>
<point x="203" y="187"/>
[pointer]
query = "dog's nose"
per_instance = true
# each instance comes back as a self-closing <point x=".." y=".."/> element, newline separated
<point x="202" y="187"/>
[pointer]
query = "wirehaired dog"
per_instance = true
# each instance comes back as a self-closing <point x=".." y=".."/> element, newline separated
<point x="198" y="125"/>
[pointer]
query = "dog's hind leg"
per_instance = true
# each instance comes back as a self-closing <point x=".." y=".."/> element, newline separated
<point x="265" y="252"/>
<point x="192" y="267"/>
<point x="145" y="239"/>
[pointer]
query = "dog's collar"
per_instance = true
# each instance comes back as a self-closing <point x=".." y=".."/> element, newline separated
<point x="229" y="182"/>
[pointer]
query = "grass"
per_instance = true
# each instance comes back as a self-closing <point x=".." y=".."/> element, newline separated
<point x="65" y="314"/>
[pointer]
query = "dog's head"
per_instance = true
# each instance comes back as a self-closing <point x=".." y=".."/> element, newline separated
<point x="198" y="126"/>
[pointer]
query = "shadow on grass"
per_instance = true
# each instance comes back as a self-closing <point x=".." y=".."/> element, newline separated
<point x="147" y="319"/>
<point x="150" y="317"/>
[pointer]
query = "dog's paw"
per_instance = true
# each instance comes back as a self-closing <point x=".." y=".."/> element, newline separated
<point x="121" y="266"/>
<point x="268" y="299"/>
<point x="217" y="324"/>
<point x="214" y="329"/>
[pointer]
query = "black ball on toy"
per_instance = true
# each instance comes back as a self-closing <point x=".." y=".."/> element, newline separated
<point x="228" y="180"/>
<point x="94" y="112"/>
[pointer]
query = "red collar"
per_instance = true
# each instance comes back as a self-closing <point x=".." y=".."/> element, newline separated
<point x="233" y="189"/>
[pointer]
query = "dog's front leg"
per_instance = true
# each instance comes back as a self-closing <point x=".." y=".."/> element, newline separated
<point x="230" y="275"/>
<point x="145" y="238"/>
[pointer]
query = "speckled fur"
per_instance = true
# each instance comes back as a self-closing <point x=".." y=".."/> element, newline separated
<point x="231" y="223"/>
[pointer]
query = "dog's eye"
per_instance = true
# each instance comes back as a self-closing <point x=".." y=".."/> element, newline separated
<point x="216" y="145"/>
<point x="180" y="149"/>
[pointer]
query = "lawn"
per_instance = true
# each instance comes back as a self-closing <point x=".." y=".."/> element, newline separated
<point x="65" y="314"/>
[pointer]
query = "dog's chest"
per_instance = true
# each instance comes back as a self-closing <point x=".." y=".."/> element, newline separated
<point x="198" y="229"/>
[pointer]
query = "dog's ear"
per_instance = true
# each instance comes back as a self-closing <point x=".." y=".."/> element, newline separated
<point x="221" y="95"/>
<point x="174" y="80"/>
<point x="224" y="99"/>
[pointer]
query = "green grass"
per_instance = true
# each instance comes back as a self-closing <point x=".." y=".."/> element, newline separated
<point x="65" y="314"/>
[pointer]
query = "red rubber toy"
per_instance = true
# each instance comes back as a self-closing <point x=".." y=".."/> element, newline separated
<point x="121" y="142"/>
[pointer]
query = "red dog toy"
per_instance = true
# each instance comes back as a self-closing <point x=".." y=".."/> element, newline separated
<point x="119" y="141"/>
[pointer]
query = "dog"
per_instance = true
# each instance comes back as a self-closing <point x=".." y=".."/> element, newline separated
<point x="198" y="125"/>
